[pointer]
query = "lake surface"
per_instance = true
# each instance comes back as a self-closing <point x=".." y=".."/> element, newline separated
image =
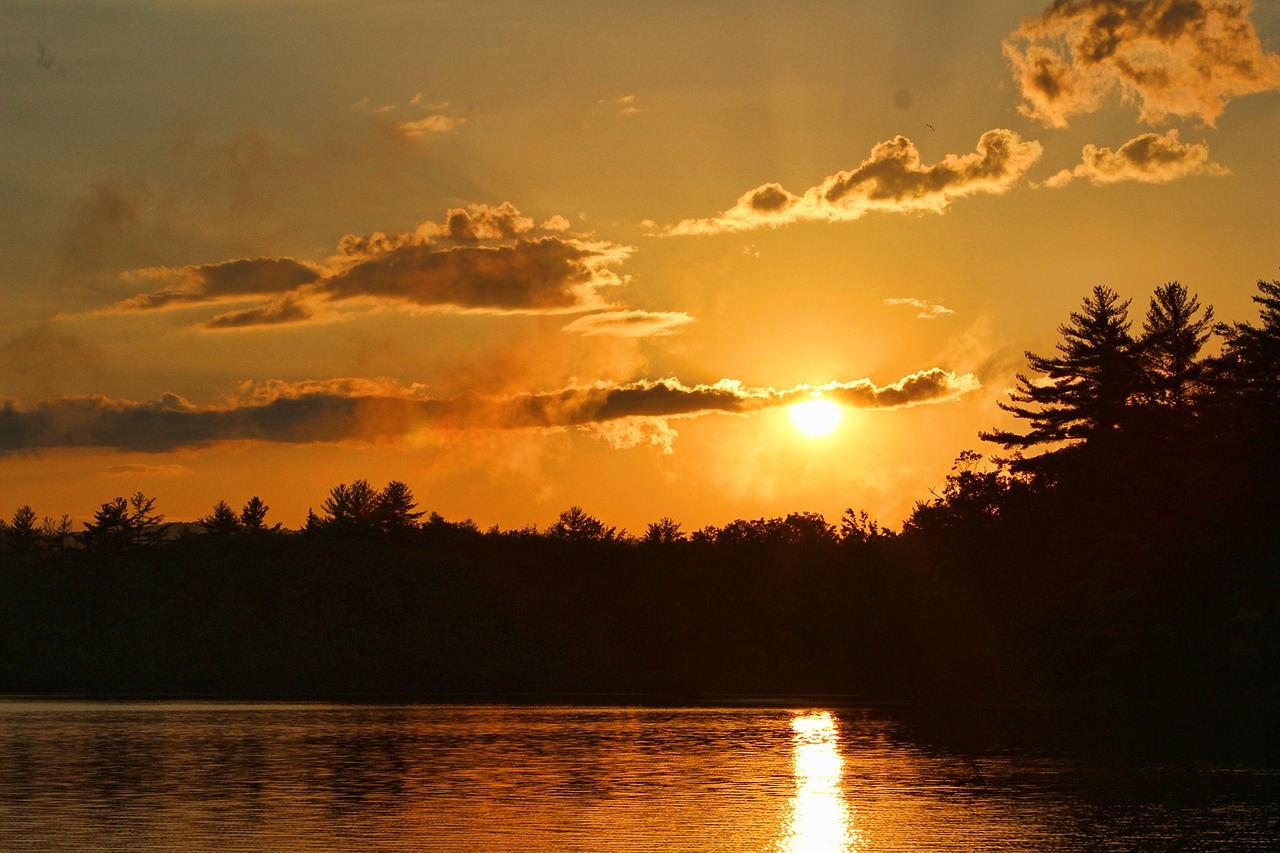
<point x="223" y="776"/>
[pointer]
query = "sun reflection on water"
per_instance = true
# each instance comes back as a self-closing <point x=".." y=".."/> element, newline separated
<point x="818" y="819"/>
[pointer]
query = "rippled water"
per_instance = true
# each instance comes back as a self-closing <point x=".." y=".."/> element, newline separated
<point x="211" y="776"/>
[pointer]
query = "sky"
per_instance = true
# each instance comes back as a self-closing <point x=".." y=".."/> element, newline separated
<point x="523" y="256"/>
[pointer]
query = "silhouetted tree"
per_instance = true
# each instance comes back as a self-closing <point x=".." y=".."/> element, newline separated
<point x="802" y="528"/>
<point x="353" y="507"/>
<point x="223" y="521"/>
<point x="664" y="531"/>
<point x="1248" y="371"/>
<point x="22" y="530"/>
<point x="253" y="516"/>
<point x="859" y="528"/>
<point x="973" y="497"/>
<point x="55" y="532"/>
<point x="111" y="529"/>
<point x="1172" y="338"/>
<point x="147" y="525"/>
<point x="1089" y="385"/>
<point x="396" y="508"/>
<point x="575" y="525"/>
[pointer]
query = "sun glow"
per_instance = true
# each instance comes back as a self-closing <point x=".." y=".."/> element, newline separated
<point x="816" y="416"/>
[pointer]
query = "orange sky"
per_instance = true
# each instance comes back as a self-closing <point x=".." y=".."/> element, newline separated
<point x="523" y="256"/>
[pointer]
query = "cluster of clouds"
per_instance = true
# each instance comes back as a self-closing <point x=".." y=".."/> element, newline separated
<point x="361" y="410"/>
<point x="1172" y="58"/>
<point x="479" y="259"/>
<point x="1183" y="58"/>
<point x="1151" y="158"/>
<point x="435" y="118"/>
<point x="892" y="178"/>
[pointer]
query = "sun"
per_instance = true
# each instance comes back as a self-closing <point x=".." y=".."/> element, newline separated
<point x="816" y="416"/>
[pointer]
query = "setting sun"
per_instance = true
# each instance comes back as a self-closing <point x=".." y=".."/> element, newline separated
<point x="816" y="417"/>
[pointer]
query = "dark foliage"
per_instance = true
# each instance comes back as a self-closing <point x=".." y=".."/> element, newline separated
<point x="1131" y="562"/>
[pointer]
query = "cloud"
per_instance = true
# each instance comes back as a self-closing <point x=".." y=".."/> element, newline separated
<point x="544" y="275"/>
<point x="435" y="123"/>
<point x="432" y="125"/>
<point x="278" y="313"/>
<point x="1152" y="158"/>
<point x="892" y="179"/>
<point x="626" y="105"/>
<point x="100" y="219"/>
<point x="630" y="324"/>
<point x="928" y="310"/>
<point x="217" y="282"/>
<point x="142" y="470"/>
<point x="481" y="258"/>
<point x="369" y="411"/>
<point x="40" y="360"/>
<point x="1186" y="58"/>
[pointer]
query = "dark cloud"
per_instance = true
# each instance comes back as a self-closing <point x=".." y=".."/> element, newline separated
<point x="1151" y="158"/>
<point x="541" y="275"/>
<point x="221" y="281"/>
<point x="893" y="178"/>
<point x="480" y="258"/>
<point x="278" y="313"/>
<point x="358" y="410"/>
<point x="1187" y="58"/>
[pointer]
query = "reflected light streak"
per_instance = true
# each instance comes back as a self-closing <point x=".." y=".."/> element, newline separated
<point x="818" y="819"/>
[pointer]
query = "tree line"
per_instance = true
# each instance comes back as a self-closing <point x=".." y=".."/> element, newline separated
<point x="1122" y="541"/>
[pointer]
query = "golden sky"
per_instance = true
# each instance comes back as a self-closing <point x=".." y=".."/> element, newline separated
<point x="529" y="255"/>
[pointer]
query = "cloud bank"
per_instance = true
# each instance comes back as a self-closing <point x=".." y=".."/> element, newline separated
<point x="1151" y="158"/>
<point x="370" y="411"/>
<point x="1185" y="58"/>
<point x="893" y="178"/>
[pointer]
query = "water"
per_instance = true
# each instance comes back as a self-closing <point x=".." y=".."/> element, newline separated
<point x="220" y="776"/>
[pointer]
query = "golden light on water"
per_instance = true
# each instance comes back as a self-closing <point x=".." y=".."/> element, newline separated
<point x="816" y="416"/>
<point x="818" y="819"/>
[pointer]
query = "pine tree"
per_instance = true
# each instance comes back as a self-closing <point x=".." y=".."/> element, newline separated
<point x="254" y="515"/>
<point x="1088" y="388"/>
<point x="111" y="529"/>
<point x="147" y="525"/>
<point x="396" y="508"/>
<point x="1249" y="368"/>
<point x="1172" y="338"/>
<point x="223" y="521"/>
<point x="22" y="530"/>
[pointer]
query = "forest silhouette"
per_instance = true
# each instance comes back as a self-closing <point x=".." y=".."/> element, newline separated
<point x="1121" y="548"/>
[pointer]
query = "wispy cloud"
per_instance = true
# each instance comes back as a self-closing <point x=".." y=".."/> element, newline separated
<point x="1151" y="158"/>
<point x="1186" y="58"/>
<point x="371" y="411"/>
<point x="630" y="324"/>
<point x="893" y="178"/>
<point x="927" y="310"/>
<point x="626" y="104"/>
<point x="432" y="125"/>
<point x="143" y="470"/>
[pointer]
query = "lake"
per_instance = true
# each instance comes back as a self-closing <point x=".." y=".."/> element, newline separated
<point x="228" y="776"/>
